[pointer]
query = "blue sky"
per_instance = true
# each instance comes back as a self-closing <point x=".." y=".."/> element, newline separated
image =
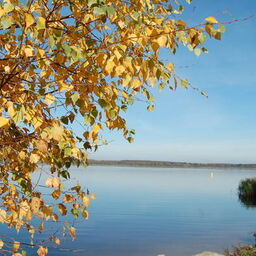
<point x="186" y="126"/>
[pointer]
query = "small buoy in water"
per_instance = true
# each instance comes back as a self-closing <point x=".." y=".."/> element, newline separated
<point x="211" y="174"/>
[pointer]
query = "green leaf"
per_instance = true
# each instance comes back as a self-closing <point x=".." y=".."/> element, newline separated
<point x="18" y="116"/>
<point x="41" y="91"/>
<point x="130" y="100"/>
<point x="158" y="74"/>
<point x="67" y="152"/>
<point x="88" y="119"/>
<point x="189" y="1"/>
<point x="204" y="50"/>
<point x="102" y="103"/>
<point x="151" y="108"/>
<point x="184" y="82"/>
<point x="110" y="10"/>
<point x="67" y="49"/>
<point x="112" y="114"/>
<point x="75" y="97"/>
<point x="92" y="2"/>
<point x="151" y="98"/>
<point x="6" y="22"/>
<point x="222" y="28"/>
<point x="122" y="47"/>
<point x="136" y="14"/>
<point x="204" y="94"/>
<point x="75" y="213"/>
<point x="40" y="23"/>
<point x="124" y="108"/>
<point x="132" y="132"/>
<point x="94" y="113"/>
<point x="161" y="86"/>
<point x="65" y="175"/>
<point x="8" y="7"/>
<point x="74" y="55"/>
<point x="146" y="93"/>
<point x="202" y="38"/>
<point x="57" y="33"/>
<point x="181" y="8"/>
<point x="130" y="139"/>
<point x="190" y="47"/>
<point x="197" y="51"/>
<point x="99" y="10"/>
<point x="80" y="103"/>
<point x="51" y="41"/>
<point x="64" y="120"/>
<point x="67" y="164"/>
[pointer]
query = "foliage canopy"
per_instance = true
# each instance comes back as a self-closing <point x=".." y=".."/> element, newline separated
<point x="66" y="63"/>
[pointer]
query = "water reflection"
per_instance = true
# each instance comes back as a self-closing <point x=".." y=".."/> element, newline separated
<point x="150" y="211"/>
<point x="247" y="192"/>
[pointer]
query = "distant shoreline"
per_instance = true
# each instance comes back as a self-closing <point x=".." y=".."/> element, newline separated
<point x="166" y="164"/>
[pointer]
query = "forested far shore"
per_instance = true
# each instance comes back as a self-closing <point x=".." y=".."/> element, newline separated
<point x="167" y="164"/>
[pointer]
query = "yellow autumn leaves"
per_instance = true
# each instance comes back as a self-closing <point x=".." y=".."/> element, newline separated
<point x="15" y="247"/>
<point x="211" y="19"/>
<point x="77" y="64"/>
<point x="3" y="122"/>
<point x="53" y="182"/>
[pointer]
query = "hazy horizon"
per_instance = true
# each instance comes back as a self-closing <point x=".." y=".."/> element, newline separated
<point x="187" y="162"/>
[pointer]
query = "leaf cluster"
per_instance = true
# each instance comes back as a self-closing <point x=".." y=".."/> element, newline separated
<point x="77" y="63"/>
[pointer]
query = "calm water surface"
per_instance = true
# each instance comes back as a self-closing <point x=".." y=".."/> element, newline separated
<point x="150" y="211"/>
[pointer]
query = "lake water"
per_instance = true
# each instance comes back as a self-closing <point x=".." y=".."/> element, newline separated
<point x="151" y="211"/>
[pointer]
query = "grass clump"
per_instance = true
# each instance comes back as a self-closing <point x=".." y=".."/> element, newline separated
<point x="247" y="192"/>
<point x="247" y="250"/>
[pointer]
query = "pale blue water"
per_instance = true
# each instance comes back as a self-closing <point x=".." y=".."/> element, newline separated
<point x="150" y="211"/>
